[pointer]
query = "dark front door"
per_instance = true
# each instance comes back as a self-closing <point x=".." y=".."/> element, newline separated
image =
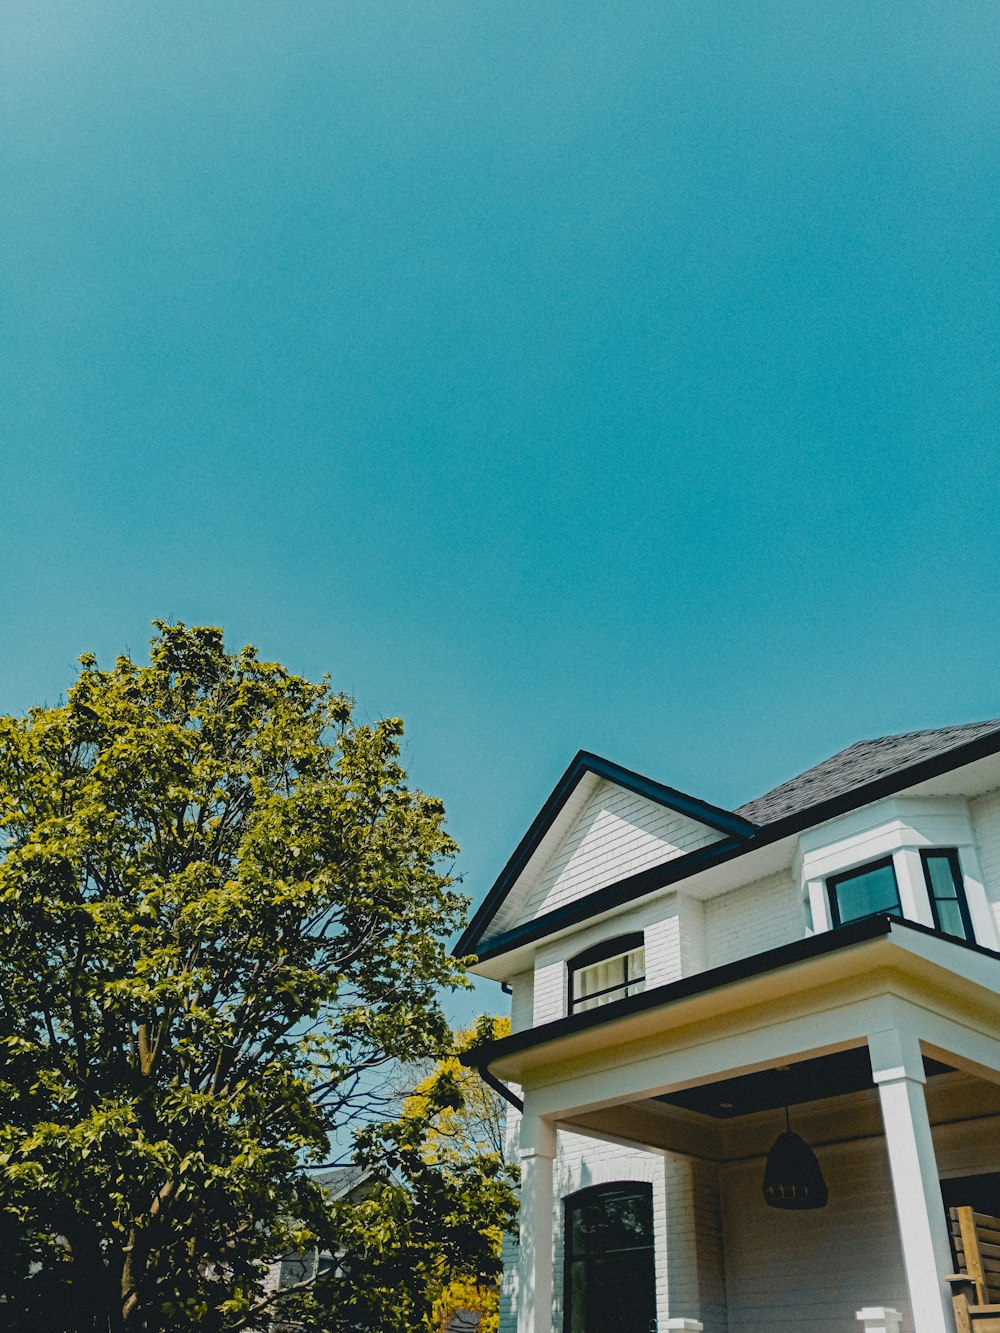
<point x="609" y="1278"/>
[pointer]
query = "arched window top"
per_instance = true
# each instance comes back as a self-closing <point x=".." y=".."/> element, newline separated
<point x="608" y="949"/>
<point x="611" y="970"/>
<point x="609" y="1275"/>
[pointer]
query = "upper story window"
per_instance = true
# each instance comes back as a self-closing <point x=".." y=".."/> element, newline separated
<point x="608" y="971"/>
<point x="864" y="891"/>
<point x="946" y="890"/>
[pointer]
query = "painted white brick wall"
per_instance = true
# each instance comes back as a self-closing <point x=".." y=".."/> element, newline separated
<point x="986" y="822"/>
<point x="581" y="1162"/>
<point x="522" y="1001"/>
<point x="724" y="1257"/>
<point x="616" y="834"/>
<point x="693" y="1276"/>
<point x="657" y="919"/>
<point x="749" y="920"/>
<point x="814" y="1270"/>
<point x="675" y="930"/>
<point x="663" y="950"/>
<point x="549" y="991"/>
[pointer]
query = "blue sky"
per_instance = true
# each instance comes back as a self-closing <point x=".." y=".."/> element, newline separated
<point x="555" y="375"/>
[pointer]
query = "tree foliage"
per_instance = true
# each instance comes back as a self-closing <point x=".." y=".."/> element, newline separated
<point x="221" y="908"/>
<point x="429" y="1237"/>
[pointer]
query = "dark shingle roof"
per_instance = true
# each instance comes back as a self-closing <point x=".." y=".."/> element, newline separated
<point x="340" y="1180"/>
<point x="858" y="764"/>
<point x="464" y="1321"/>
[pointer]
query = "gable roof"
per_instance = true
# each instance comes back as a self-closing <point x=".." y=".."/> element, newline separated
<point x="864" y="772"/>
<point x="339" y="1181"/>
<point x="724" y="821"/>
<point x="863" y="762"/>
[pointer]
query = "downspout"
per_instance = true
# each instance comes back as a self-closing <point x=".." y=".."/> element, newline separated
<point x="492" y="1081"/>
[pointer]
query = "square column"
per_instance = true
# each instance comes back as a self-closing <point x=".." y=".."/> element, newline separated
<point x="898" y="1071"/>
<point x="534" y="1295"/>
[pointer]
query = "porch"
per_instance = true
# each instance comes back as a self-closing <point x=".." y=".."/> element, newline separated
<point x="880" y="1039"/>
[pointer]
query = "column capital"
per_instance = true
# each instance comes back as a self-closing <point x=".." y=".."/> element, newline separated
<point x="879" y="1319"/>
<point x="895" y="1054"/>
<point x="538" y="1137"/>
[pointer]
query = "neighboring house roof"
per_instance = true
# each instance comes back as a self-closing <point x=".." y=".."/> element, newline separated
<point x="339" y="1181"/>
<point x="860" y="763"/>
<point x="464" y="1321"/>
<point x="864" y="772"/>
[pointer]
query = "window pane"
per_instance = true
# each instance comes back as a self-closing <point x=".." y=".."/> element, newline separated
<point x="613" y="979"/>
<point x="941" y="876"/>
<point x="947" y="892"/>
<point x="609" y="1241"/>
<point x="866" y="893"/>
<point x="600" y="977"/>
<point x="949" y="916"/>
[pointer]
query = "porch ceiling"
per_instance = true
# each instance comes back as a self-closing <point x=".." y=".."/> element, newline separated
<point x="786" y="1085"/>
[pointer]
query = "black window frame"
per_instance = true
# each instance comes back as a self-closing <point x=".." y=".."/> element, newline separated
<point x="950" y="854"/>
<point x="833" y="882"/>
<point x="621" y="945"/>
<point x="609" y="1189"/>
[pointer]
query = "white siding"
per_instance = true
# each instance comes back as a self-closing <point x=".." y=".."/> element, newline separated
<point x="750" y="920"/>
<point x="986" y="819"/>
<point x="674" y="930"/>
<point x="522" y="1001"/>
<point x="614" y="835"/>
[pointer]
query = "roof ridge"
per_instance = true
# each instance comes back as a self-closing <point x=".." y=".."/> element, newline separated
<point x="835" y="768"/>
<point x="931" y="731"/>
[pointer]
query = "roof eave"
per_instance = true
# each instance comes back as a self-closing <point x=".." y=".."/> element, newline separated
<point x="672" y="872"/>
<point x="723" y="821"/>
<point x="556" y="1033"/>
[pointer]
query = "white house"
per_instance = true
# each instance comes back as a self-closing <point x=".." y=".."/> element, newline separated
<point x="680" y="974"/>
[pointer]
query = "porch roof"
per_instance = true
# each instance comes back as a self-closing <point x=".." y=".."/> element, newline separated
<point x="879" y="941"/>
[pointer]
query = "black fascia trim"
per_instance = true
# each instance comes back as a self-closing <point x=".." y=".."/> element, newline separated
<point x="612" y="896"/>
<point x="723" y="821"/>
<point x="983" y="747"/>
<point x="742" y="969"/>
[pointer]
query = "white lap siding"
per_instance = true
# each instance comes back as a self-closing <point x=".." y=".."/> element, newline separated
<point x="986" y="820"/>
<point x="614" y="835"/>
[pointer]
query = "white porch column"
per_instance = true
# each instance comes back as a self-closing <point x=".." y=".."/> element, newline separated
<point x="898" y="1071"/>
<point x="534" y="1296"/>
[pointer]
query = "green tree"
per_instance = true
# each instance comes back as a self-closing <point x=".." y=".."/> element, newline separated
<point x="428" y="1239"/>
<point x="221" y="909"/>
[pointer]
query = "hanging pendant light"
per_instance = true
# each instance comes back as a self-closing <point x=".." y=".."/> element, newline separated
<point x="792" y="1177"/>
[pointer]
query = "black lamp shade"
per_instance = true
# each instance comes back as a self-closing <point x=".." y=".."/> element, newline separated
<point x="792" y="1178"/>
